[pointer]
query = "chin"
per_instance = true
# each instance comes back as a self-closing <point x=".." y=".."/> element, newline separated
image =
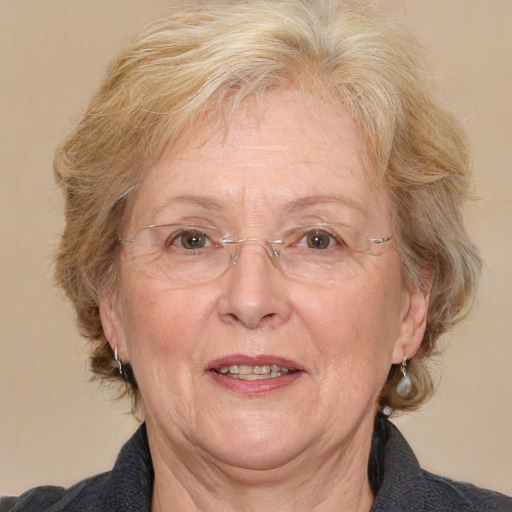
<point x="272" y="457"/>
<point x="258" y="447"/>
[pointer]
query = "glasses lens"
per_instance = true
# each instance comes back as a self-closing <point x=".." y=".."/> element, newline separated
<point x="181" y="253"/>
<point x="323" y="252"/>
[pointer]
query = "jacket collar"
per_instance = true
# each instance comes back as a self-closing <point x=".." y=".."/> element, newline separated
<point x="397" y="480"/>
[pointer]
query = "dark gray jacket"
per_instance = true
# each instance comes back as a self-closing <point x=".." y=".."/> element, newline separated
<point x="399" y="484"/>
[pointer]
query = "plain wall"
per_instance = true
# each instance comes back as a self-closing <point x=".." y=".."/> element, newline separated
<point x="55" y="426"/>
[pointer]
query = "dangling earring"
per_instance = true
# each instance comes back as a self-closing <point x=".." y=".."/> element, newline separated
<point x="405" y="385"/>
<point x="116" y="357"/>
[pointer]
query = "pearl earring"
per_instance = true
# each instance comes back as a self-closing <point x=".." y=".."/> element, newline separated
<point x="405" y="385"/>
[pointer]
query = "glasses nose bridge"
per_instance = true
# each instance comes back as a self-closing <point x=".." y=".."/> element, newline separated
<point x="236" y="246"/>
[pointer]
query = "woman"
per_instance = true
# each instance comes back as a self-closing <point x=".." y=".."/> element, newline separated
<point x="264" y="241"/>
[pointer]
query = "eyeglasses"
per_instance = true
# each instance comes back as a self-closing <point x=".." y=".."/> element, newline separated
<point x="195" y="253"/>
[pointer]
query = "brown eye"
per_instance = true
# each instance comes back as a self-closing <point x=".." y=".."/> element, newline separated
<point x="318" y="239"/>
<point x="190" y="239"/>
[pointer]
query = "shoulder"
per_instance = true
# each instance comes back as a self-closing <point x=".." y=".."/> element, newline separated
<point x="400" y="484"/>
<point x="448" y="495"/>
<point x="55" y="499"/>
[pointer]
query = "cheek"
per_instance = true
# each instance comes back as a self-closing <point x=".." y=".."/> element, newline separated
<point x="164" y="332"/>
<point x="162" y="321"/>
<point x="354" y="321"/>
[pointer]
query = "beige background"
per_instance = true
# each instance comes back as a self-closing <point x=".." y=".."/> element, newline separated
<point x="57" y="427"/>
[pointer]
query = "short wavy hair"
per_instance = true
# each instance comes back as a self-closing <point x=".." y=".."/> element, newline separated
<point x="203" y="63"/>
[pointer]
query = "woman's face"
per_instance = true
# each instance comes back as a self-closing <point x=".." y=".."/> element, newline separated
<point x="296" y="163"/>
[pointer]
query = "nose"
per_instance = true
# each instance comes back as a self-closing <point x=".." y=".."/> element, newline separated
<point x="256" y="290"/>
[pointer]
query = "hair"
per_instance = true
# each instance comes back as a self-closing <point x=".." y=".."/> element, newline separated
<point x="203" y="63"/>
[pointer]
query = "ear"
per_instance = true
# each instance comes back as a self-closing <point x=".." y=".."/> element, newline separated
<point x="412" y="326"/>
<point x="111" y="321"/>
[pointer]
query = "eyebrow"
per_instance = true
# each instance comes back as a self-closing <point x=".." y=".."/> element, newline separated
<point x="314" y="200"/>
<point x="208" y="203"/>
<point x="291" y="207"/>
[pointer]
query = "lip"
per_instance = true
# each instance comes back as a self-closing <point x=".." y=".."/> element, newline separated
<point x="258" y="360"/>
<point x="254" y="387"/>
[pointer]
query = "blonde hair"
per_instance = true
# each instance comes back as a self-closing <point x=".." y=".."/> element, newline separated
<point x="202" y="63"/>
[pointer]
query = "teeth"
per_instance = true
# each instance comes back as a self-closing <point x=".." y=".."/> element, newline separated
<point x="243" y="369"/>
<point x="248" y="372"/>
<point x="251" y="376"/>
<point x="261" y="370"/>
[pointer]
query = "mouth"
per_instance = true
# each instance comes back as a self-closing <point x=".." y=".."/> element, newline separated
<point x="253" y="372"/>
<point x="257" y="374"/>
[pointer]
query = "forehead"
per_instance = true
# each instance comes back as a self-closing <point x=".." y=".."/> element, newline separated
<point x="287" y="128"/>
<point x="291" y="151"/>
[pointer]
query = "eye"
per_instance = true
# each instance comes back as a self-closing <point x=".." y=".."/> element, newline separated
<point x="318" y="239"/>
<point x="188" y="239"/>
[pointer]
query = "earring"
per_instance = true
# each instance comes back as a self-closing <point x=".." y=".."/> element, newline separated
<point x="386" y="410"/>
<point x="405" y="385"/>
<point x="116" y="357"/>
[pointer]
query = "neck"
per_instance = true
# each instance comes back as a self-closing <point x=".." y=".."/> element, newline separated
<point x="324" y="482"/>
